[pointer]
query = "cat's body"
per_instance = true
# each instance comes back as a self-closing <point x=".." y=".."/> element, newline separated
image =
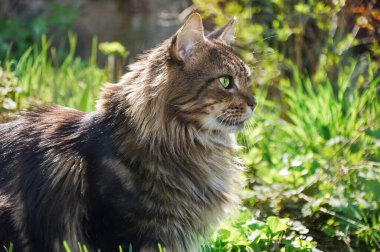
<point x="144" y="168"/>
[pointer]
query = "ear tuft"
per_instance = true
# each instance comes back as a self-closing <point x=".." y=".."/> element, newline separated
<point x="188" y="37"/>
<point x="225" y="33"/>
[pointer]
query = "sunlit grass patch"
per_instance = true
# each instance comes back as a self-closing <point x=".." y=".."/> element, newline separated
<point x="67" y="80"/>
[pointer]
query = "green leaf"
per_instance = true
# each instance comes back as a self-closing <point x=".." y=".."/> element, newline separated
<point x="84" y="98"/>
<point x="224" y="234"/>
<point x="67" y="247"/>
<point x="276" y="224"/>
<point x="161" y="248"/>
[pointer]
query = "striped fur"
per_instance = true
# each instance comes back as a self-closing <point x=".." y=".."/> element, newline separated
<point x="154" y="163"/>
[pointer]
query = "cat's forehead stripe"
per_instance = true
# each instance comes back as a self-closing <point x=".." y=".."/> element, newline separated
<point x="235" y="64"/>
<point x="225" y="58"/>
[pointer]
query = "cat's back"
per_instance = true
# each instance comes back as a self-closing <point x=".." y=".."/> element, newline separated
<point x="37" y="140"/>
<point x="38" y="131"/>
<point x="41" y="140"/>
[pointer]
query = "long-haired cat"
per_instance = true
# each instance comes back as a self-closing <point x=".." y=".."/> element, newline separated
<point x="152" y="164"/>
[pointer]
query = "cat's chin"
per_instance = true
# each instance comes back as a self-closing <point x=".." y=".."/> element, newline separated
<point x="229" y="126"/>
<point x="233" y="128"/>
<point x="230" y="129"/>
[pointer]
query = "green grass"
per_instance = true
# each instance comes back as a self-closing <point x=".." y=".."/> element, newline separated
<point x="312" y="157"/>
<point x="65" y="79"/>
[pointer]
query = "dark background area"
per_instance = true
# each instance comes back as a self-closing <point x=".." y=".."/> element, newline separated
<point x="137" y="24"/>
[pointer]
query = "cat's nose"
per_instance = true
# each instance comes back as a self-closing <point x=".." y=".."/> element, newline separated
<point x="251" y="102"/>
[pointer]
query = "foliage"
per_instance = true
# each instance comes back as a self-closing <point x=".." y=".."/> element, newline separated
<point x="245" y="233"/>
<point x="320" y="164"/>
<point x="315" y="35"/>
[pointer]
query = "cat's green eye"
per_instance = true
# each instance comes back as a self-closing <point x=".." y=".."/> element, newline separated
<point x="225" y="81"/>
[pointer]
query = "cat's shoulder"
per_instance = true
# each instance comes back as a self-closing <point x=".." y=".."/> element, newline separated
<point x="45" y="122"/>
<point x="54" y="113"/>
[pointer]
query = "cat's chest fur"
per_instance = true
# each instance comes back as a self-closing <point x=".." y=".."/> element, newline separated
<point x="165" y="197"/>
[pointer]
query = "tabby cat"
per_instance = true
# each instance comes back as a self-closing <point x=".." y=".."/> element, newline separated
<point x="152" y="164"/>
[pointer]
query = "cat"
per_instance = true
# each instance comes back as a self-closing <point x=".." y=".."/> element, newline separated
<point x="153" y="164"/>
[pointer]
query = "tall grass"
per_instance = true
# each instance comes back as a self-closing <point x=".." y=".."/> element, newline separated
<point x="68" y="80"/>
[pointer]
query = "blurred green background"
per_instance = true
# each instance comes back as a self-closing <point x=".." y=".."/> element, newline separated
<point x="312" y="150"/>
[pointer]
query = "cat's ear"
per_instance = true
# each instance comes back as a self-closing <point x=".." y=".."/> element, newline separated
<point x="188" y="37"/>
<point x="225" y="33"/>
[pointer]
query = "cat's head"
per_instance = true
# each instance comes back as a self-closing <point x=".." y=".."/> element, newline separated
<point x="212" y="87"/>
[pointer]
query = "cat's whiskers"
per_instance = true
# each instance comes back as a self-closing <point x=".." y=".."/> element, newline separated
<point x="222" y="114"/>
<point x="262" y="60"/>
<point x="248" y="128"/>
<point x="263" y="39"/>
<point x="271" y="36"/>
<point x="244" y="136"/>
<point x="263" y="53"/>
<point x="224" y="123"/>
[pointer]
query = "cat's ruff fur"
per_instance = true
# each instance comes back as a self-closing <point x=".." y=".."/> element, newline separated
<point x="139" y="170"/>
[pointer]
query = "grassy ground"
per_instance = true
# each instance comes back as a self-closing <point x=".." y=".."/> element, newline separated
<point x="312" y="155"/>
